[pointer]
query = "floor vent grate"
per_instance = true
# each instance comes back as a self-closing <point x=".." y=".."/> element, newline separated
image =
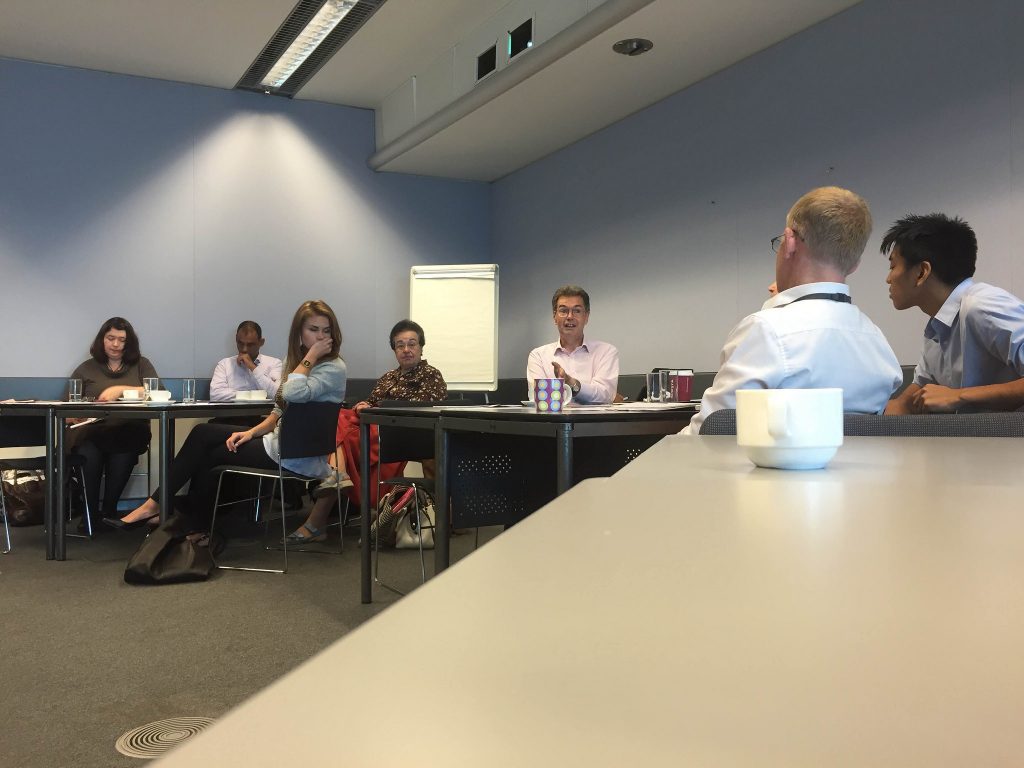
<point x="159" y="738"/>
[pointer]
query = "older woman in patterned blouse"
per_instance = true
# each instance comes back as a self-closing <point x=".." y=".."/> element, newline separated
<point x="414" y="380"/>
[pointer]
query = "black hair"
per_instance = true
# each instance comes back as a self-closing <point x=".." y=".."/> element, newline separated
<point x="407" y="325"/>
<point x="249" y="325"/>
<point x="131" y="341"/>
<point x="948" y="244"/>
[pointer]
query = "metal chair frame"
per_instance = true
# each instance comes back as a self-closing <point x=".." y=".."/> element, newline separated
<point x="30" y="432"/>
<point x="306" y="430"/>
<point x="419" y="446"/>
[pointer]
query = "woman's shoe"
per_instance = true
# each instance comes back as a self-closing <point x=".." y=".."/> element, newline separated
<point x="116" y="522"/>
<point x="316" y="536"/>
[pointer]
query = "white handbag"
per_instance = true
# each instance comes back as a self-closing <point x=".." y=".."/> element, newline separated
<point x="406" y="535"/>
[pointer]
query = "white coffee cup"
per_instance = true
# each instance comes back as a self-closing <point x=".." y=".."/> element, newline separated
<point x="241" y="394"/>
<point x="257" y="394"/>
<point x="789" y="428"/>
<point x="131" y="394"/>
<point x="159" y="395"/>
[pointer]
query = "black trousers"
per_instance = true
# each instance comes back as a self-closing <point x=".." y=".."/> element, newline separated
<point x="204" y="449"/>
<point x="118" y="470"/>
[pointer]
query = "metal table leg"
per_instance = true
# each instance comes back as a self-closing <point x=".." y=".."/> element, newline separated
<point x="441" y="486"/>
<point x="563" y="444"/>
<point x="366" y="582"/>
<point x="166" y="449"/>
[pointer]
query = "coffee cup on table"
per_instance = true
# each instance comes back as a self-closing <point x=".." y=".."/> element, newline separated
<point x="681" y="386"/>
<point x="550" y="395"/>
<point x="789" y="428"/>
<point x="131" y="394"/>
<point x="160" y="395"/>
<point x="257" y="394"/>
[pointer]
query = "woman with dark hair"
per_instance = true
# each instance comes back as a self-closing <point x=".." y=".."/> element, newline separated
<point x="415" y="380"/>
<point x="112" y="446"/>
<point x="316" y="373"/>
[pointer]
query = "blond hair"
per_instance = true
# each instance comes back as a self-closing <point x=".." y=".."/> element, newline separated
<point x="835" y="224"/>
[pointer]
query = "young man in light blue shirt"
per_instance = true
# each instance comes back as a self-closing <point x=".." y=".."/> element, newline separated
<point x="973" y="356"/>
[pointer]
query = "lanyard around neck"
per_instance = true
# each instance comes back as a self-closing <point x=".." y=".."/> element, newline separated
<point x="842" y="298"/>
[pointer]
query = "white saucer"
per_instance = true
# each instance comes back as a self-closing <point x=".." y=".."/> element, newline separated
<point x="251" y="400"/>
<point x="160" y="402"/>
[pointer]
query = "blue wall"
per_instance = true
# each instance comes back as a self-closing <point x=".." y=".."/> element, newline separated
<point x="187" y="209"/>
<point x="666" y="216"/>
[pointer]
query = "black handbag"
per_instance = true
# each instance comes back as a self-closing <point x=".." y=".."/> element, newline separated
<point x="24" y="497"/>
<point x="168" y="557"/>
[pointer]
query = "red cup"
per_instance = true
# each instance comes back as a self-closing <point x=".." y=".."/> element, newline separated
<point x="681" y="384"/>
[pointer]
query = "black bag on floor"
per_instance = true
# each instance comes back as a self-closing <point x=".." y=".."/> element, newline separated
<point x="168" y="557"/>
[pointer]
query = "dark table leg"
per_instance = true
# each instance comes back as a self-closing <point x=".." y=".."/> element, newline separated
<point x="166" y="443"/>
<point x="366" y="586"/>
<point x="441" y="486"/>
<point x="54" y="512"/>
<point x="564" y="459"/>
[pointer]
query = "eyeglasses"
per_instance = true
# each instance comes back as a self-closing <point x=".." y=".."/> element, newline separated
<point x="778" y="239"/>
<point x="574" y="311"/>
<point x="407" y="344"/>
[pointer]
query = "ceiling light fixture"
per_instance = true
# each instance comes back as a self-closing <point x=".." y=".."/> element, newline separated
<point x="633" y="46"/>
<point x="318" y="28"/>
<point x="305" y="41"/>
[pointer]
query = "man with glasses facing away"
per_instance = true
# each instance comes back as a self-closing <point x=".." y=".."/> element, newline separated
<point x="810" y="335"/>
<point x="590" y="368"/>
<point x="973" y="357"/>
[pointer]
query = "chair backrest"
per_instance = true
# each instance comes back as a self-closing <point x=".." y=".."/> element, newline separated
<point x="723" y="422"/>
<point x="309" y="429"/>
<point x="408" y="443"/>
<point x="936" y="425"/>
<point x="20" y="431"/>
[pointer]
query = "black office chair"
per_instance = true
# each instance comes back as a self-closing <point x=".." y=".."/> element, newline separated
<point x="306" y="430"/>
<point x="395" y="444"/>
<point x="19" y="431"/>
<point x="1005" y="424"/>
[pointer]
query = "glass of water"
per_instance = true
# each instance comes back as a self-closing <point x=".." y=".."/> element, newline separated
<point x="188" y="390"/>
<point x="74" y="390"/>
<point x="148" y="385"/>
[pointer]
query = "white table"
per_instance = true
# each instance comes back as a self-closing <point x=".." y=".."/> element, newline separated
<point x="871" y="614"/>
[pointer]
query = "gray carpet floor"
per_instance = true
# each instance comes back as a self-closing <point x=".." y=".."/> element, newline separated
<point x="85" y="657"/>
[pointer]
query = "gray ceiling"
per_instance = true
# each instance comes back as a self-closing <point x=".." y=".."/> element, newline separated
<point x="212" y="42"/>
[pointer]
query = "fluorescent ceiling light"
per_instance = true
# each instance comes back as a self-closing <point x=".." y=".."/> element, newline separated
<point x="319" y="27"/>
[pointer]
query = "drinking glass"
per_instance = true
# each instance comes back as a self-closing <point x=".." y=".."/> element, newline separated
<point x="664" y="389"/>
<point x="148" y="385"/>
<point x="188" y="390"/>
<point x="654" y="387"/>
<point x="74" y="390"/>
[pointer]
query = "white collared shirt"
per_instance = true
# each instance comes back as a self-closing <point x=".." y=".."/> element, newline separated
<point x="807" y="344"/>
<point x="229" y="377"/>
<point x="594" y="363"/>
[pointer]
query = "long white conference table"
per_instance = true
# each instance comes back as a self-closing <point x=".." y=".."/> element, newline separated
<point x="693" y="610"/>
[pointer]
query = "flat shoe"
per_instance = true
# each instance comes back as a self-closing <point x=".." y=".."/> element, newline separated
<point x="316" y="535"/>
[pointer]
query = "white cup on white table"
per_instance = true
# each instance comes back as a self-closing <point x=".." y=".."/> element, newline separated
<point x="789" y="428"/>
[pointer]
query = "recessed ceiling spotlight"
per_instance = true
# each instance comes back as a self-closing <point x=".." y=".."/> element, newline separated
<point x="633" y="46"/>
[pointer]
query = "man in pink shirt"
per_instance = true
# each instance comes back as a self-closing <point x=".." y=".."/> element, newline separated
<point x="590" y="368"/>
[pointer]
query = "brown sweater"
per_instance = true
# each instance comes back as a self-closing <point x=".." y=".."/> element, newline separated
<point x="96" y="377"/>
